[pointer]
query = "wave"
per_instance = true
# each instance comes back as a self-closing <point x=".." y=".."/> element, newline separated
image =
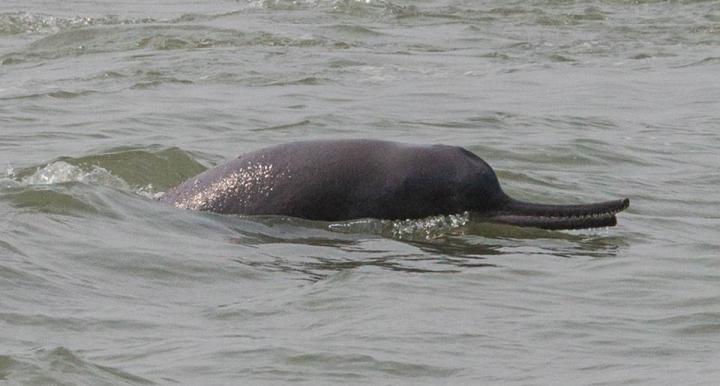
<point x="144" y="170"/>
<point x="62" y="366"/>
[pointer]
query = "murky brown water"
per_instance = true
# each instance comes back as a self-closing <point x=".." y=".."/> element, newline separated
<point x="105" y="103"/>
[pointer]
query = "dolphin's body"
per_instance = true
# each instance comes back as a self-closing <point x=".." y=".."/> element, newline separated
<point x="350" y="179"/>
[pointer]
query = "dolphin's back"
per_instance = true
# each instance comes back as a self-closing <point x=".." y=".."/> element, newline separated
<point x="343" y="179"/>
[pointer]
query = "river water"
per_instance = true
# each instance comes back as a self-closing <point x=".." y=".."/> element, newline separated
<point x="104" y="104"/>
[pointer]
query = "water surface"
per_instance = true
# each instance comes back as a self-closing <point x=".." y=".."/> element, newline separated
<point x="104" y="104"/>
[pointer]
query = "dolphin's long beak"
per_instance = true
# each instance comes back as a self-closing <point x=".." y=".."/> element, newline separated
<point x="601" y="214"/>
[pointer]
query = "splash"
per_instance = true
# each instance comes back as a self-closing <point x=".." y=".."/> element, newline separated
<point x="62" y="172"/>
<point x="8" y="181"/>
<point x="430" y="228"/>
<point x="425" y="229"/>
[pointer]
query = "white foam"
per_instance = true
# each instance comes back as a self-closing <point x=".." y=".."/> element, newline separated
<point x="61" y="172"/>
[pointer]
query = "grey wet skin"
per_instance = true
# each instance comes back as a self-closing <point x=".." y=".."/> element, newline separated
<point x="351" y="179"/>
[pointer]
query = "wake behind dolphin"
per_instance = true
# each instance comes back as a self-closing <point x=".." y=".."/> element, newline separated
<point x="339" y="180"/>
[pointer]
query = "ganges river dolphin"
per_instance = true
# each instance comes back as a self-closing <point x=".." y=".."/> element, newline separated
<point x="337" y="180"/>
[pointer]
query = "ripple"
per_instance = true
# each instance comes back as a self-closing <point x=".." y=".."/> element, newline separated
<point x="21" y="22"/>
<point x="156" y="37"/>
<point x="369" y="363"/>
